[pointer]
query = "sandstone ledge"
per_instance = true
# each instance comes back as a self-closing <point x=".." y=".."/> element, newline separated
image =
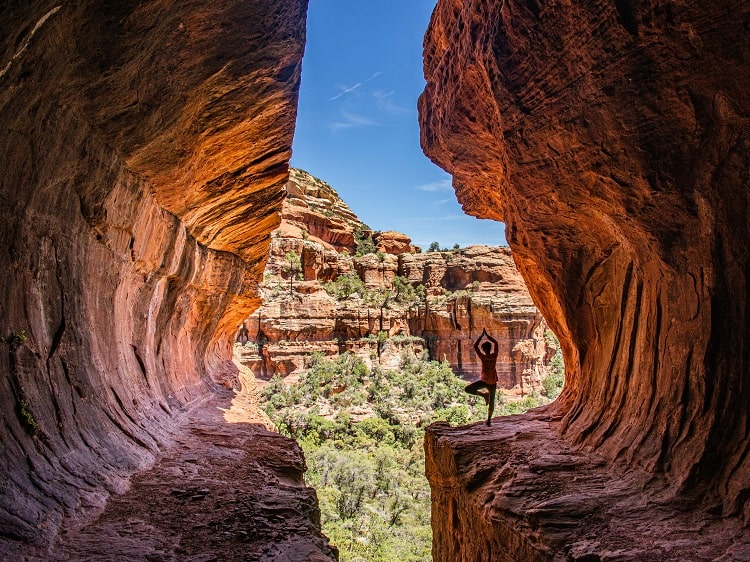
<point x="516" y="492"/>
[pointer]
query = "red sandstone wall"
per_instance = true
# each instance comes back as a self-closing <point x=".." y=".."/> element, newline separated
<point x="144" y="151"/>
<point x="613" y="139"/>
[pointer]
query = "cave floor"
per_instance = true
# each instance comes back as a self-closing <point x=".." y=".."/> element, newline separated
<point x="516" y="491"/>
<point x="227" y="489"/>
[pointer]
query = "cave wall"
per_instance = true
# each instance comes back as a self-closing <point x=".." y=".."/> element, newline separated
<point x="145" y="148"/>
<point x="613" y="138"/>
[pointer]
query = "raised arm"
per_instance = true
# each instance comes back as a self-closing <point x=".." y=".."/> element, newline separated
<point x="476" y="345"/>
<point x="494" y="343"/>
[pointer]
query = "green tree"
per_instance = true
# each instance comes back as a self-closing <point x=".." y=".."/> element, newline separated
<point x="344" y="286"/>
<point x="405" y="293"/>
<point x="434" y="247"/>
<point x="367" y="465"/>
<point x="364" y="242"/>
<point x="379" y="298"/>
<point x="293" y="268"/>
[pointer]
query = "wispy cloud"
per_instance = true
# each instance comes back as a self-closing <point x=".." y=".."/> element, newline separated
<point x="441" y="202"/>
<point x="350" y="120"/>
<point x="384" y="102"/>
<point x="349" y="89"/>
<point x="346" y="90"/>
<point x="436" y="186"/>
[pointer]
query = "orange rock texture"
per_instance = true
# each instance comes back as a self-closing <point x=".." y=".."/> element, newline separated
<point x="145" y="149"/>
<point x="613" y="139"/>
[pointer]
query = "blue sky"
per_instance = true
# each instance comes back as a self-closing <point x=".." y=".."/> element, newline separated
<point x="357" y="124"/>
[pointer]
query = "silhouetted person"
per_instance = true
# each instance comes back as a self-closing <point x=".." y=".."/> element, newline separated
<point x="488" y="379"/>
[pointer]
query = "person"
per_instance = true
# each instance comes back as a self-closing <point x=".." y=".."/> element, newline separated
<point x="486" y="386"/>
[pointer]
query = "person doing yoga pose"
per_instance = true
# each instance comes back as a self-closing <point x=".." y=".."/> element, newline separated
<point x="487" y="383"/>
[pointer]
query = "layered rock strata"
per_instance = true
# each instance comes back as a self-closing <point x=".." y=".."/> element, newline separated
<point x="613" y="140"/>
<point x="145" y="149"/>
<point x="465" y="291"/>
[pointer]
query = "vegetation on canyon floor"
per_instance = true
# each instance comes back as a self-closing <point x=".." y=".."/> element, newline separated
<point x="362" y="431"/>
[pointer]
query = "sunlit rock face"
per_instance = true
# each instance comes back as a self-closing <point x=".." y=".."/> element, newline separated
<point x="489" y="294"/>
<point x="469" y="290"/>
<point x="144" y="152"/>
<point x="613" y="140"/>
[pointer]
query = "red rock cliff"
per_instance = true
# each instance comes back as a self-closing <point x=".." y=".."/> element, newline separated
<point x="466" y="290"/>
<point x="613" y="139"/>
<point x="145" y="149"/>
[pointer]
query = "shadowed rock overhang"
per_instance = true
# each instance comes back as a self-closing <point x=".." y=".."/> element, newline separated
<point x="613" y="139"/>
<point x="145" y="147"/>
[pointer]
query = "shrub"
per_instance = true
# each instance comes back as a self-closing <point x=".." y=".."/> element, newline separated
<point x="14" y="341"/>
<point x="344" y="286"/>
<point x="377" y="429"/>
<point x="27" y="418"/>
<point x="365" y="245"/>
<point x="528" y="402"/>
<point x="456" y="415"/>
<point x="369" y="474"/>
<point x="405" y="293"/>
<point x="554" y="381"/>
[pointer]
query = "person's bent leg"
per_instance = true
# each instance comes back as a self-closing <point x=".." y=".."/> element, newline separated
<point x="474" y="387"/>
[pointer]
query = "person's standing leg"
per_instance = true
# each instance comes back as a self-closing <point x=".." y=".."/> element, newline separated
<point x="491" y="390"/>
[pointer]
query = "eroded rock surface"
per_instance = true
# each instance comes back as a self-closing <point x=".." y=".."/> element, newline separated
<point x="516" y="491"/>
<point x="613" y="139"/>
<point x="145" y="149"/>
<point x="221" y="491"/>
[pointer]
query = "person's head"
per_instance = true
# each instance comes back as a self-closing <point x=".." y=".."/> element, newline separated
<point x="487" y="347"/>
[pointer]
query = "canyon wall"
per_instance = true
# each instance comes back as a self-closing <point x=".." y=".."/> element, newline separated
<point x="613" y="140"/>
<point x="464" y="291"/>
<point x="145" y="149"/>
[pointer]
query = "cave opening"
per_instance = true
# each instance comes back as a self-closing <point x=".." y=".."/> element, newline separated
<point x="134" y="157"/>
<point x="362" y="340"/>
